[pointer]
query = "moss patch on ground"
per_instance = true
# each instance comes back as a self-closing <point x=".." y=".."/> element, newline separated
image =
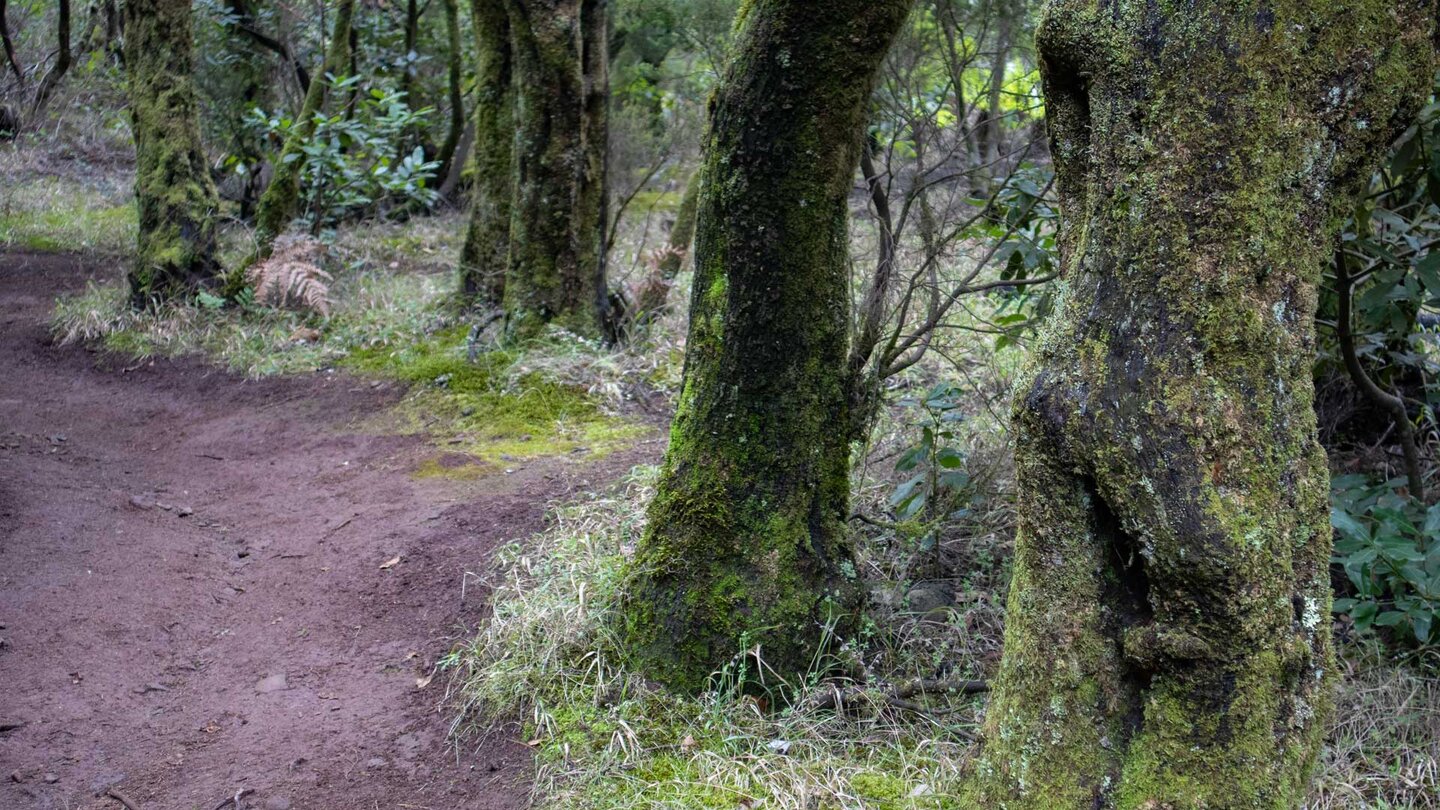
<point x="490" y="407"/>
<point x="500" y="407"/>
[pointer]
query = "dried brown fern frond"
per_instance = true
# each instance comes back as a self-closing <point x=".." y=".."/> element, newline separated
<point x="292" y="277"/>
<point x="666" y="258"/>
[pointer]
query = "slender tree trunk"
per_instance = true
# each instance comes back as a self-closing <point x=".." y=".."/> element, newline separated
<point x="682" y="233"/>
<point x="10" y="57"/>
<point x="1167" y="639"/>
<point x="746" y="541"/>
<point x="281" y="198"/>
<point x="176" y="199"/>
<point x="593" y="206"/>
<point x="485" y="254"/>
<point x="62" y="61"/>
<point x="457" y="101"/>
<point x="994" y="124"/>
<point x="555" y="240"/>
<point x="245" y="23"/>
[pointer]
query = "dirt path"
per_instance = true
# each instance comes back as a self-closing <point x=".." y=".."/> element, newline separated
<point x="192" y="599"/>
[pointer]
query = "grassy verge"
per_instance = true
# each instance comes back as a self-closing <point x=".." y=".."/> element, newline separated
<point x="54" y="214"/>
<point x="557" y="395"/>
<point x="606" y="739"/>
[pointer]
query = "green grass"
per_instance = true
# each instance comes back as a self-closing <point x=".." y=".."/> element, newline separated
<point x="503" y="406"/>
<point x="606" y="739"/>
<point x="54" y="214"/>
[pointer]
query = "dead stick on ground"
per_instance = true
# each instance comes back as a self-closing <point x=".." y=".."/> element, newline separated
<point x="122" y="798"/>
<point x="239" y="794"/>
<point x="896" y="696"/>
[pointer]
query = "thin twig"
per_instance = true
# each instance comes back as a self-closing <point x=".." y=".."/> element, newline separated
<point x="115" y="794"/>
<point x="898" y="696"/>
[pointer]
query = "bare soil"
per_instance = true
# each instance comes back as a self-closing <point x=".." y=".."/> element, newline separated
<point x="198" y="587"/>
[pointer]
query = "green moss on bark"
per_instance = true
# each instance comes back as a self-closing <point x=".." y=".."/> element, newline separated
<point x="1167" y="641"/>
<point x="486" y="252"/>
<point x="282" y="197"/>
<point x="174" y="195"/>
<point x="746" y="542"/>
<point x="555" y="239"/>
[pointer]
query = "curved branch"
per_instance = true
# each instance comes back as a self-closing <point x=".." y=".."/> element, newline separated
<point x="1392" y="404"/>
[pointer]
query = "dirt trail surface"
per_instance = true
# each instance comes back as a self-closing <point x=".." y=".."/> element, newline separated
<point x="196" y="589"/>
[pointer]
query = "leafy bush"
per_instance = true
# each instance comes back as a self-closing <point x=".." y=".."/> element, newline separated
<point x="937" y="466"/>
<point x="1388" y="545"/>
<point x="352" y="164"/>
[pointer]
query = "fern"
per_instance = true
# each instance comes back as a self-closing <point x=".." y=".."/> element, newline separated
<point x="292" y="277"/>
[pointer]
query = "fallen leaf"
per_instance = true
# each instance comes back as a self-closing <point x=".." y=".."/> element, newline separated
<point x="422" y="682"/>
<point x="390" y="563"/>
<point x="687" y="743"/>
<point x="535" y="743"/>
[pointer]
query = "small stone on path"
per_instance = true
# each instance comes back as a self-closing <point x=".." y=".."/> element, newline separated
<point x="272" y="683"/>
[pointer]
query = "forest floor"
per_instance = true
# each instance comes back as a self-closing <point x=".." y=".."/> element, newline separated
<point x="211" y="585"/>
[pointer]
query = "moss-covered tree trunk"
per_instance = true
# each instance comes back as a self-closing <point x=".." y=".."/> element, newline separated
<point x="746" y="542"/>
<point x="281" y="199"/>
<point x="555" y="240"/>
<point x="485" y="255"/>
<point x="1168" y="629"/>
<point x="176" y="198"/>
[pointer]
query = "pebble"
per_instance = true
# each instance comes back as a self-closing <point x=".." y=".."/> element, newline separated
<point x="272" y="683"/>
<point x="51" y="778"/>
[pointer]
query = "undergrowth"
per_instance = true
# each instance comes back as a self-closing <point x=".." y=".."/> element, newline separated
<point x="606" y="738"/>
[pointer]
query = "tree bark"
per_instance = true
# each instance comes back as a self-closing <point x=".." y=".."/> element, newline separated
<point x="457" y="101"/>
<point x="746" y="541"/>
<point x="555" y="238"/>
<point x="9" y="44"/>
<point x="1167" y="639"/>
<point x="62" y="62"/>
<point x="281" y="198"/>
<point x="485" y="254"/>
<point x="176" y="198"/>
<point x="593" y="210"/>
<point x="682" y="233"/>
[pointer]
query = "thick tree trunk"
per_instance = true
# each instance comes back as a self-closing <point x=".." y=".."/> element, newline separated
<point x="457" y="101"/>
<point x="486" y="251"/>
<point x="746" y="541"/>
<point x="555" y="238"/>
<point x="176" y="199"/>
<point x="282" y="197"/>
<point x="1168" y="630"/>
